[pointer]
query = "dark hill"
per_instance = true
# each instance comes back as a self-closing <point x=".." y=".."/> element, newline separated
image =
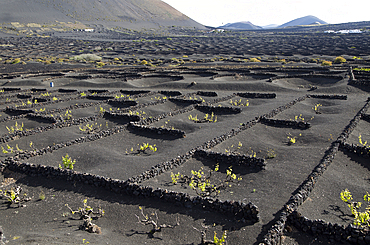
<point x="244" y="25"/>
<point x="133" y="14"/>
<point x="307" y="20"/>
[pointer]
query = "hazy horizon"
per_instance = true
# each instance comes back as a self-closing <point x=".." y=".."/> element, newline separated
<point x="266" y="12"/>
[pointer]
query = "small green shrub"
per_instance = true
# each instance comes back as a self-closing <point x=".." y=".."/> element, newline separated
<point x="364" y="144"/>
<point x="361" y="69"/>
<point x="100" y="64"/>
<point x="42" y="196"/>
<point x="67" y="162"/>
<point x="219" y="241"/>
<point x="207" y="118"/>
<point x="14" y="196"/>
<point x="91" y="128"/>
<point x="292" y="139"/>
<point x="15" y="128"/>
<point x="201" y="182"/>
<point x="230" y="149"/>
<point x="11" y="149"/>
<point x="271" y="153"/>
<point x="145" y="146"/>
<point x="16" y="61"/>
<point x="316" y="108"/>
<point x="339" y="60"/>
<point x="87" y="214"/>
<point x="175" y="177"/>
<point x="361" y="219"/>
<point x="254" y="60"/>
<point x="326" y="63"/>
<point x="239" y="102"/>
<point x="68" y="115"/>
<point x="149" y="220"/>
<point x="299" y="118"/>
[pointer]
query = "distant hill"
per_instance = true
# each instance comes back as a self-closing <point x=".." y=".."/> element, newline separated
<point x="244" y="25"/>
<point x="133" y="14"/>
<point x="307" y="20"/>
<point x="271" y="26"/>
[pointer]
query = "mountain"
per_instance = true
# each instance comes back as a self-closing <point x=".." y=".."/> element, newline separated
<point x="244" y="25"/>
<point x="307" y="20"/>
<point x="133" y="14"/>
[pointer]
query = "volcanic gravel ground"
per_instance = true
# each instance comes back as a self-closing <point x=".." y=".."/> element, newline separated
<point x="259" y="106"/>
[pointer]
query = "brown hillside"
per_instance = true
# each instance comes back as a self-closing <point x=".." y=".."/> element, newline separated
<point x="109" y="13"/>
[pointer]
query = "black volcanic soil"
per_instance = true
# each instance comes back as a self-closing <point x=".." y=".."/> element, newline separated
<point x="184" y="72"/>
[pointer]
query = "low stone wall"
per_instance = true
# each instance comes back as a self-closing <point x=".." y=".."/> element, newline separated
<point x="285" y="123"/>
<point x="134" y="92"/>
<point x="359" y="83"/>
<point x="6" y="89"/>
<point x="159" y="131"/>
<point x="257" y="95"/>
<point x="171" y="93"/>
<point x="232" y="159"/>
<point x="337" y="233"/>
<point x="185" y="101"/>
<point x="284" y="107"/>
<point x="24" y="96"/>
<point x="148" y="121"/>
<point x="328" y="96"/>
<point x="98" y="97"/>
<point x="11" y="118"/>
<point x="207" y="93"/>
<point x="218" y="109"/>
<point x="359" y="150"/>
<point x="123" y="103"/>
<point x="239" y="210"/>
<point x="40" y="100"/>
<point x="15" y="111"/>
<point x="98" y="91"/>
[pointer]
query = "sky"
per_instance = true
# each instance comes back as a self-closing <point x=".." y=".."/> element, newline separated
<point x="265" y="12"/>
